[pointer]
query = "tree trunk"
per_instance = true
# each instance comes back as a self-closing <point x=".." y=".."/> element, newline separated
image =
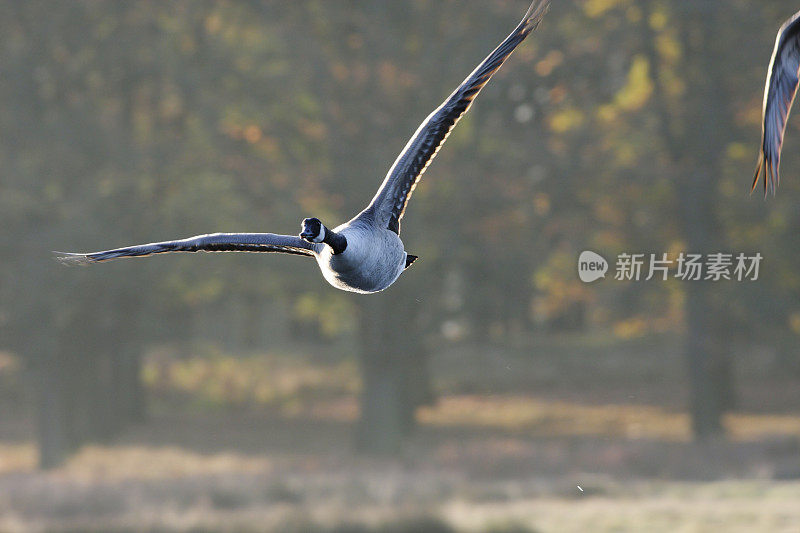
<point x="704" y="112"/>
<point x="52" y="432"/>
<point x="706" y="402"/>
<point x="394" y="374"/>
<point x="133" y="407"/>
<point x="706" y="349"/>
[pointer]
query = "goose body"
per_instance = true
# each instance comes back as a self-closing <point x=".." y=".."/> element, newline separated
<point x="373" y="260"/>
<point x="366" y="254"/>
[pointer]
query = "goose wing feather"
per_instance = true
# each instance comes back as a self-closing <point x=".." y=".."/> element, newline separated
<point x="779" y="94"/>
<point x="389" y="204"/>
<point x="215" y="242"/>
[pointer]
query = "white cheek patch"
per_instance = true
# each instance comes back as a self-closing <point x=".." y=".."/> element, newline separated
<point x="321" y="237"/>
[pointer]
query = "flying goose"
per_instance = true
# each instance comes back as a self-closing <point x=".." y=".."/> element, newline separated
<point x="364" y="255"/>
<point x="779" y="93"/>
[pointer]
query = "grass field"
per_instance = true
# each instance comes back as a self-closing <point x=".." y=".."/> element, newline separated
<point x="264" y="443"/>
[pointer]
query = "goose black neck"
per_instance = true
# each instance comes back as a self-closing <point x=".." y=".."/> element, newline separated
<point x="336" y="241"/>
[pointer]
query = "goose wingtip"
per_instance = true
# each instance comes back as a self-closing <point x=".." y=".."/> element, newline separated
<point x="536" y="12"/>
<point x="72" y="259"/>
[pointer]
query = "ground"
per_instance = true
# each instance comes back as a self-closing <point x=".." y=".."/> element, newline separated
<point x="605" y="449"/>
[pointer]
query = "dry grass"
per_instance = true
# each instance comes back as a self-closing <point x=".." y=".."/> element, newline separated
<point x="543" y="418"/>
<point x="152" y="488"/>
<point x="263" y="443"/>
<point x="273" y="380"/>
<point x="250" y="471"/>
<point x="730" y="507"/>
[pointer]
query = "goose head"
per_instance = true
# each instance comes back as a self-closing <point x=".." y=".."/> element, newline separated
<point x="313" y="230"/>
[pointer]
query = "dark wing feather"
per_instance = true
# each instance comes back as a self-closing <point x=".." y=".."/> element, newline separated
<point x="779" y="94"/>
<point x="390" y="202"/>
<point x="215" y="242"/>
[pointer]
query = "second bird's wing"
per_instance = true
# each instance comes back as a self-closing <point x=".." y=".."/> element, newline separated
<point x="389" y="204"/>
<point x="779" y="93"/>
<point x="214" y="242"/>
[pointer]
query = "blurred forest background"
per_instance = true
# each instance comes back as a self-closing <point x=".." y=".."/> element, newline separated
<point x="240" y="392"/>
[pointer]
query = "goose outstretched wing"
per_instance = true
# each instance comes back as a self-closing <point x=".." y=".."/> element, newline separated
<point x="389" y="204"/>
<point x="215" y="242"/>
<point x="779" y="93"/>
